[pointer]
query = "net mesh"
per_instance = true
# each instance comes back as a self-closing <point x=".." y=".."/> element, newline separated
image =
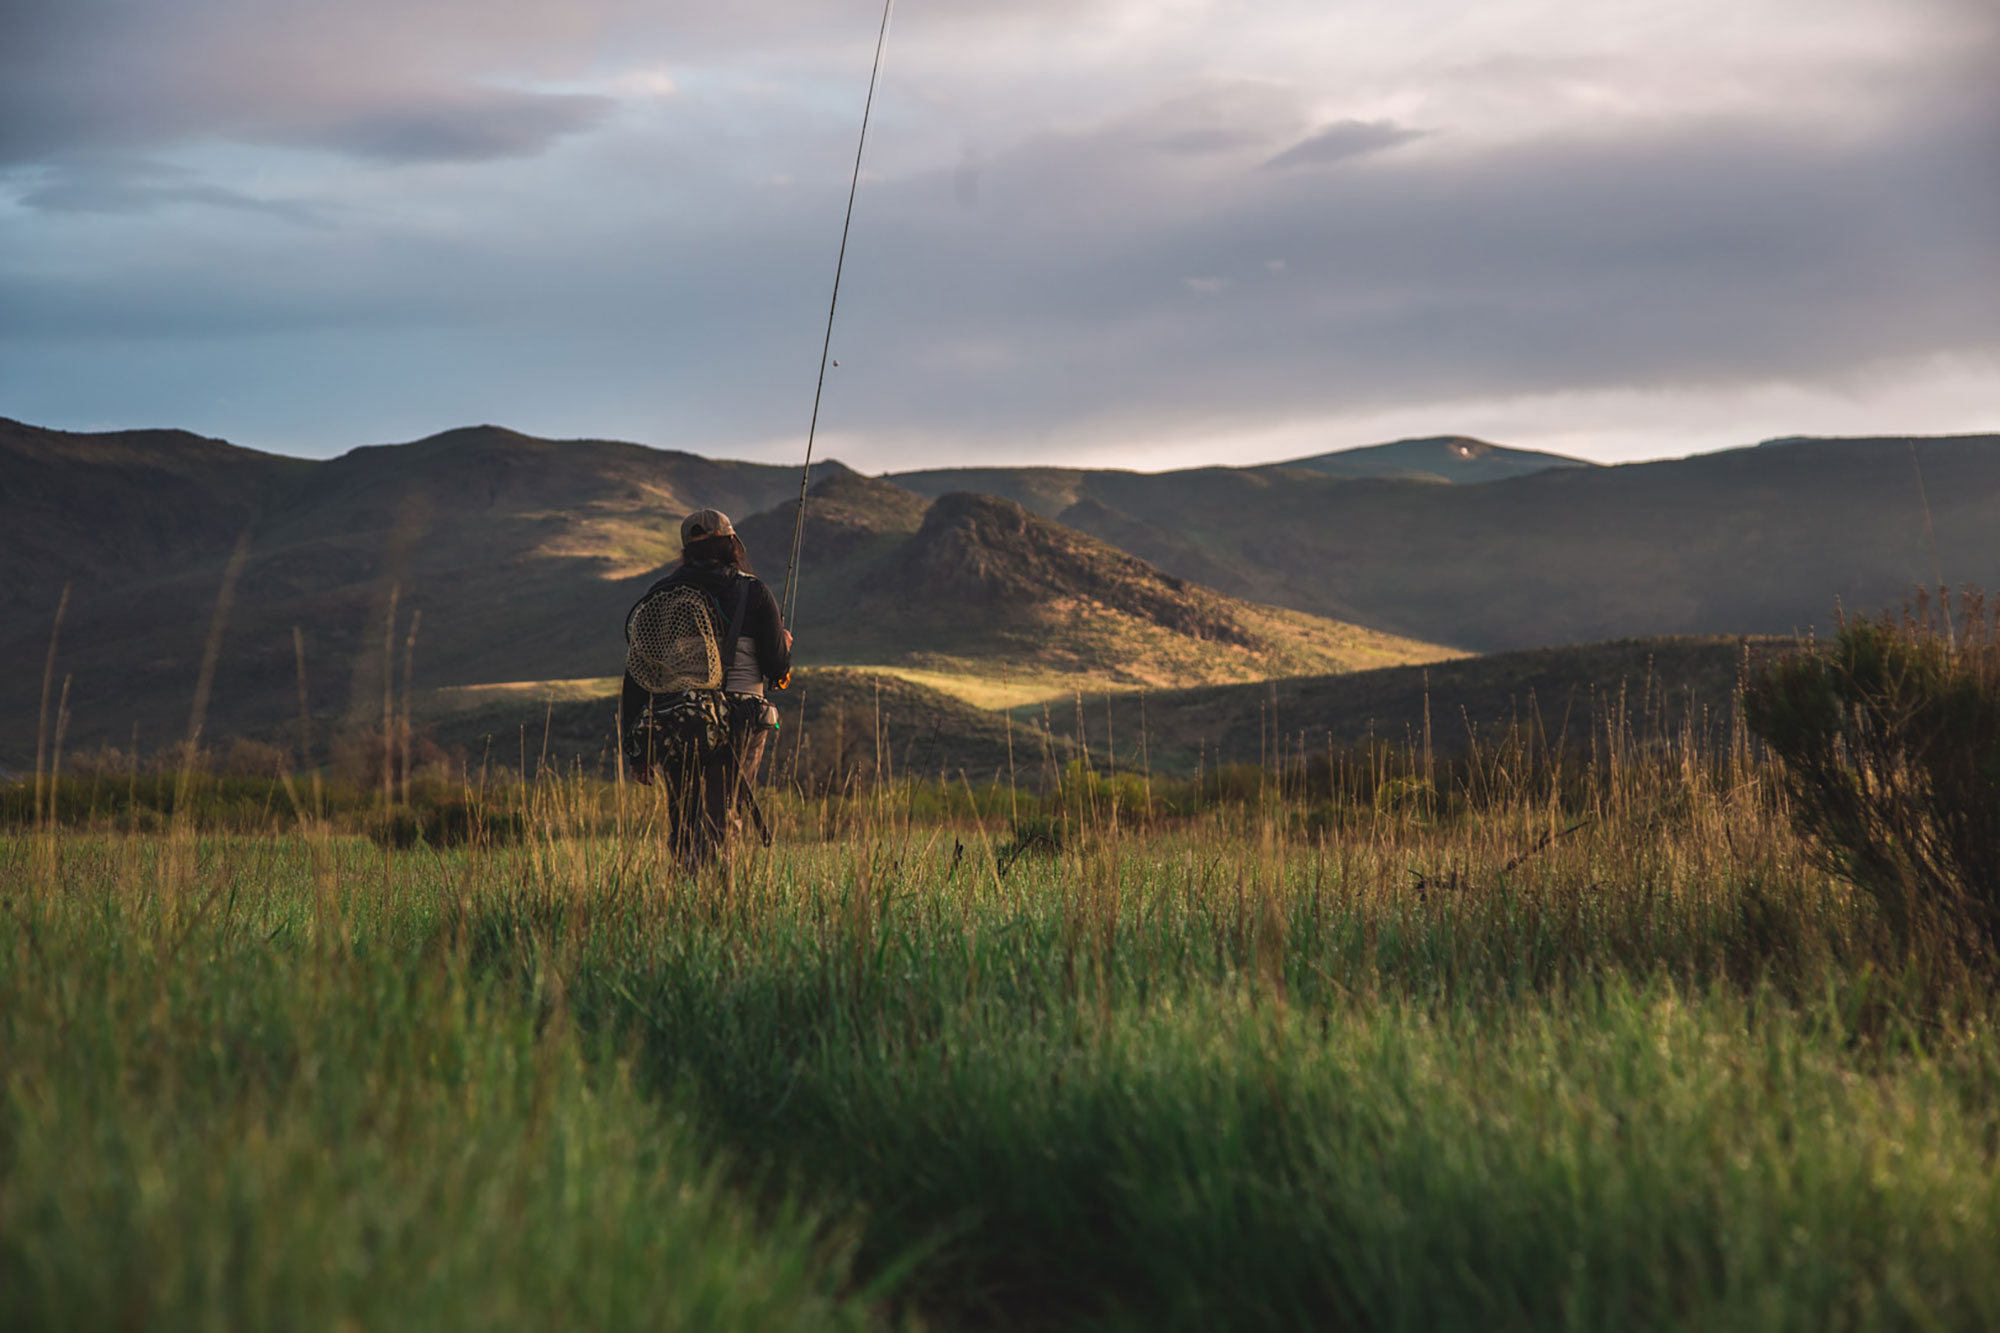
<point x="670" y="643"/>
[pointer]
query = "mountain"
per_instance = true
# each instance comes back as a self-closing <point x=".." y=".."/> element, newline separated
<point x="1050" y="491"/>
<point x="1763" y="540"/>
<point x="521" y="554"/>
<point x="98" y="510"/>
<point x="979" y="586"/>
<point x="482" y="555"/>
<point x="852" y="522"/>
<point x="1457" y="459"/>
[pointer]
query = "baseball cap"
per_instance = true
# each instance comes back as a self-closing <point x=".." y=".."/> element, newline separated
<point x="706" y="523"/>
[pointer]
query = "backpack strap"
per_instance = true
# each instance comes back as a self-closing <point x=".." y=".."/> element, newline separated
<point x="735" y="630"/>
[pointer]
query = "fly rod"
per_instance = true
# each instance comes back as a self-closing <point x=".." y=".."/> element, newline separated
<point x="790" y="598"/>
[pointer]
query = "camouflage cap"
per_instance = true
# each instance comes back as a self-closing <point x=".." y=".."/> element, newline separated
<point x="706" y="523"/>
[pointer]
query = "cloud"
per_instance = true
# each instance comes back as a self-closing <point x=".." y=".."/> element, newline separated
<point x="1717" y="255"/>
<point x="1214" y="139"/>
<point x="1342" y="140"/>
<point x="135" y="186"/>
<point x="1623" y="212"/>
<point x="472" y="127"/>
<point x="422" y="80"/>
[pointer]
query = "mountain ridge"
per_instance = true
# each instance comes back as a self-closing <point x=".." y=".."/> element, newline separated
<point x="980" y="585"/>
<point x="1453" y="459"/>
<point x="523" y="553"/>
<point x="481" y="555"/>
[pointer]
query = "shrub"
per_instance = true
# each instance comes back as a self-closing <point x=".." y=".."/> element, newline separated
<point x="839" y="756"/>
<point x="1890" y="741"/>
<point x="1040" y="835"/>
<point x="104" y="761"/>
<point x="247" y="758"/>
<point x="358" y="756"/>
<point x="447" y="823"/>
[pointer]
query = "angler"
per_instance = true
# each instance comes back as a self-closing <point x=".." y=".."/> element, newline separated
<point x="700" y="647"/>
<point x="704" y="641"/>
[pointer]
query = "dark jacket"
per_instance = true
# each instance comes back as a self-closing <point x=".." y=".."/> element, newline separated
<point x="761" y="655"/>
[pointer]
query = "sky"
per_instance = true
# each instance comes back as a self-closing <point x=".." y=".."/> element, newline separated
<point x="1088" y="231"/>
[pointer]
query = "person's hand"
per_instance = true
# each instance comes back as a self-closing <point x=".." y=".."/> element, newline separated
<point x="788" y="641"/>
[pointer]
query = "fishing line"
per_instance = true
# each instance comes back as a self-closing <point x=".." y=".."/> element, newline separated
<point x="790" y="598"/>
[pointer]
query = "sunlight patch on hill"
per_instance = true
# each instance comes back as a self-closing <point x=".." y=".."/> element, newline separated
<point x="458" y="698"/>
<point x="627" y="543"/>
<point x="980" y="685"/>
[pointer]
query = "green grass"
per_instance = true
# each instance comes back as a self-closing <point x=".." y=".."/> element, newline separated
<point x="1434" y="1072"/>
<point x="223" y="1112"/>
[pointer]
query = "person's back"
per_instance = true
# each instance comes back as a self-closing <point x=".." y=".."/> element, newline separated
<point x="747" y="671"/>
<point x="701" y="646"/>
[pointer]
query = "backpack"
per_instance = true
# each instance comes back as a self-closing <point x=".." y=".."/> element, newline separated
<point x="673" y="653"/>
<point x="671" y="642"/>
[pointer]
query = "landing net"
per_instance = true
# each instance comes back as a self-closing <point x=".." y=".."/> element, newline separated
<point x="671" y="644"/>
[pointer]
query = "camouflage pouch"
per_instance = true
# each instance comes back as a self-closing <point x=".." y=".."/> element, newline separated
<point x="677" y="728"/>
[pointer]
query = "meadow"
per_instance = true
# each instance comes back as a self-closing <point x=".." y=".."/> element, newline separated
<point x="1521" y="1041"/>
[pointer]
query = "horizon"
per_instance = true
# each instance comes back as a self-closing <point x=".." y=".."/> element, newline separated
<point x="822" y="456"/>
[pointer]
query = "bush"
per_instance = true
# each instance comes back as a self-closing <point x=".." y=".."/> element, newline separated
<point x="449" y="823"/>
<point x="1039" y="835"/>
<point x="358" y="757"/>
<point x="1890" y="741"/>
<point x="248" y="758"/>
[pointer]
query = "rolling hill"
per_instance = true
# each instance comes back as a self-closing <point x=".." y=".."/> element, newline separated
<point x="522" y="554"/>
<point x="834" y="716"/>
<point x="100" y="511"/>
<point x="837" y="723"/>
<point x="1562" y="692"/>
<point x="1762" y="540"/>
<point x="979" y="587"/>
<point x="486" y="556"/>
<point x="1452" y="459"/>
<point x="1455" y="459"/>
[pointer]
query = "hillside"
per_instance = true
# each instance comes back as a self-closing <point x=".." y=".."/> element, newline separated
<point x="1751" y="541"/>
<point x="1563" y="692"/>
<point x="978" y="586"/>
<point x="1456" y="459"/>
<point x="833" y="716"/>
<point x="521" y="554"/>
<point x="99" y="511"/>
<point x="510" y="558"/>
<point x="852" y="524"/>
<point x="836" y="723"/>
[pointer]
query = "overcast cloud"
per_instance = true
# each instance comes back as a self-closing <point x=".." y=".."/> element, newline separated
<point x="1146" y="234"/>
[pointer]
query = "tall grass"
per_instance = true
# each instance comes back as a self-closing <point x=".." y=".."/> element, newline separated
<point x="245" y="1089"/>
<point x="1592" y="1045"/>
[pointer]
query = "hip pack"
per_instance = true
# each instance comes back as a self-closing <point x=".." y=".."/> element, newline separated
<point x="693" y="726"/>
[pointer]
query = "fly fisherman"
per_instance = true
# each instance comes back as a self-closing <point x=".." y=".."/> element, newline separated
<point x="700" y="647"/>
